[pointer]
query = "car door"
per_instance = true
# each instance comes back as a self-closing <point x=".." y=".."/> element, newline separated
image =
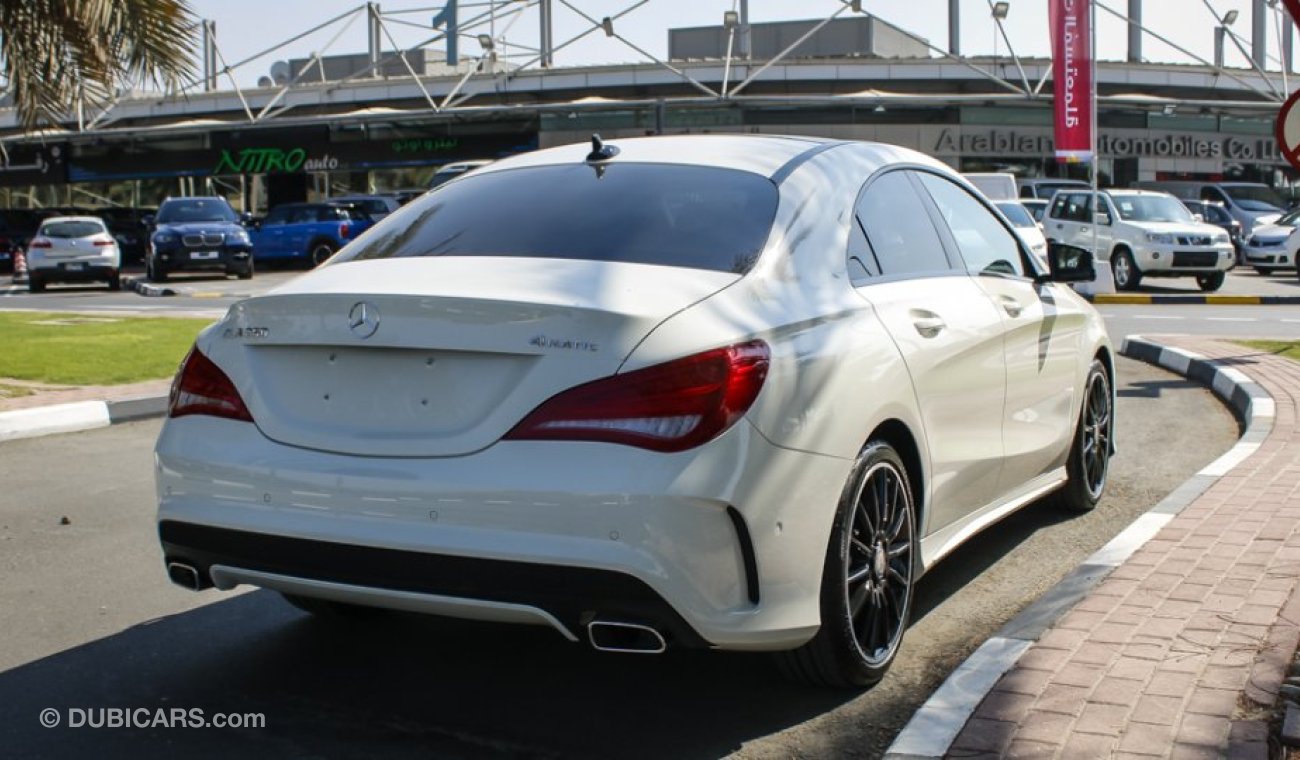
<point x="1042" y="336"/>
<point x="302" y="225"/>
<point x="268" y="237"/>
<point x="1059" y="225"/>
<point x="949" y="335"/>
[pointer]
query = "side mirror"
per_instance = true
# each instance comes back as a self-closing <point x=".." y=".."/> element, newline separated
<point x="246" y="218"/>
<point x="1068" y="263"/>
<point x="1103" y="218"/>
<point x="146" y="221"/>
<point x="1198" y="217"/>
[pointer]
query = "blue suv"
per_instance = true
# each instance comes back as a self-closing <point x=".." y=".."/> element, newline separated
<point x="198" y="234"/>
<point x="308" y="232"/>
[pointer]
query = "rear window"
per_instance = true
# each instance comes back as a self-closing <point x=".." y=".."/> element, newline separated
<point x="369" y="205"/>
<point x="1016" y="214"/>
<point x="682" y="216"/>
<point x="71" y="229"/>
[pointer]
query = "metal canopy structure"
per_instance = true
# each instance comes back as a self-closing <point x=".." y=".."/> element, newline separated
<point x="511" y="67"/>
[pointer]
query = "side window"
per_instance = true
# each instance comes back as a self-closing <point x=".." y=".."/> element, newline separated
<point x="277" y="216"/>
<point x="303" y="214"/>
<point x="330" y="214"/>
<point x="1060" y="206"/>
<point x="1027" y="192"/>
<point x="898" y="228"/>
<point x="1078" y="206"/>
<point x="985" y="244"/>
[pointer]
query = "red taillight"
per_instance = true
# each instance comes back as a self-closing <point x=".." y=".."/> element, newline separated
<point x="344" y="229"/>
<point x="39" y="243"/>
<point x="202" y="388"/>
<point x="110" y="241"/>
<point x="667" y="407"/>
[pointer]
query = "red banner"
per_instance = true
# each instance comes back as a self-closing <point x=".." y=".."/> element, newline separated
<point x="1072" y="78"/>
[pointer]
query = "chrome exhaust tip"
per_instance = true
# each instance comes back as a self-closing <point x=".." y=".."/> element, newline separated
<point x="184" y="575"/>
<point x="625" y="638"/>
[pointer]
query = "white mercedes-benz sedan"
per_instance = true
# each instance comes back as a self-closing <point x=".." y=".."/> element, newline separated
<point x="735" y="392"/>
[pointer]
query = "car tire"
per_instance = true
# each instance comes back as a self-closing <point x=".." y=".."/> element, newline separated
<point x="115" y="281"/>
<point x="35" y="283"/>
<point x="156" y="271"/>
<point x="1210" y="282"/>
<point x="1089" y="462"/>
<point x="1265" y="271"/>
<point x="1124" y="268"/>
<point x="328" y="610"/>
<point x="871" y="563"/>
<point x="247" y="272"/>
<point x="321" y="250"/>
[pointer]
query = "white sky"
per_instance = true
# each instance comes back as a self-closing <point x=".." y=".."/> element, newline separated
<point x="246" y="27"/>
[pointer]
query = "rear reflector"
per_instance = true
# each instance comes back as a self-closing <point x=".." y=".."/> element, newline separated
<point x="668" y="407"/>
<point x="39" y="243"/>
<point x="202" y="388"/>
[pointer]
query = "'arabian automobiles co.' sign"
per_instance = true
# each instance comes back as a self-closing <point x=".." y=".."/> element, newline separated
<point x="1008" y="143"/>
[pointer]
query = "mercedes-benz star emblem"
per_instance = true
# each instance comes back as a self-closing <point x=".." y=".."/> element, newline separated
<point x="363" y="320"/>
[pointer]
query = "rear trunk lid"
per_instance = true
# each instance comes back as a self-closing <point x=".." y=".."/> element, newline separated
<point x="423" y="357"/>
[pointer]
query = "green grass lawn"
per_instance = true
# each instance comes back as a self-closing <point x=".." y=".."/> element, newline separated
<point x="90" y="349"/>
<point x="1288" y="348"/>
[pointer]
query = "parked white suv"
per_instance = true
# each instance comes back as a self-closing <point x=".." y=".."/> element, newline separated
<point x="1143" y="234"/>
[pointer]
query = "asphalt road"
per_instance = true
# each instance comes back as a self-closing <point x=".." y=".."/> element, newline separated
<point x="89" y="621"/>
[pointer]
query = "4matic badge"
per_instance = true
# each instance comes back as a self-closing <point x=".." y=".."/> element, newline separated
<point x="541" y="341"/>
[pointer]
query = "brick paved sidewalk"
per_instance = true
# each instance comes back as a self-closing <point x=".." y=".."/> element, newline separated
<point x="1180" y="651"/>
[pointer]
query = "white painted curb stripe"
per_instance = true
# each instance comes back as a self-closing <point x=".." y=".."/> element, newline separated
<point x="59" y="418"/>
<point x="1121" y="547"/>
<point x="935" y="726"/>
<point x="1234" y="456"/>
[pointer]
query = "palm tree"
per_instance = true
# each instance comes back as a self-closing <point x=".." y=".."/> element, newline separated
<point x="55" y="54"/>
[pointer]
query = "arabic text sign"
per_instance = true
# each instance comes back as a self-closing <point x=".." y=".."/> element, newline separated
<point x="33" y="165"/>
<point x="1072" y="78"/>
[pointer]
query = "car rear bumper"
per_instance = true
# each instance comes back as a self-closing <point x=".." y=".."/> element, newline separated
<point x="73" y="271"/>
<point x="721" y="546"/>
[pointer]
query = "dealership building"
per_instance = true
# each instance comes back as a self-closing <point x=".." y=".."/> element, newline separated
<point x="379" y="120"/>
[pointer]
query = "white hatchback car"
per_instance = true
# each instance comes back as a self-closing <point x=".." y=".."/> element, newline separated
<point x="1274" y="245"/>
<point x="735" y="392"/>
<point x="73" y="249"/>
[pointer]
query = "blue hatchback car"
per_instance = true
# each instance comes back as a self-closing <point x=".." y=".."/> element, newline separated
<point x="307" y="232"/>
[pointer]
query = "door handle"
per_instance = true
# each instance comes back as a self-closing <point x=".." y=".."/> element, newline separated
<point x="1010" y="305"/>
<point x="928" y="325"/>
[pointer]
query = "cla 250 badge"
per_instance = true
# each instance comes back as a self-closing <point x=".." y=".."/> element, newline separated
<point x="247" y="332"/>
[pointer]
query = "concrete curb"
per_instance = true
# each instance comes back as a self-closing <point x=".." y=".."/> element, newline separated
<point x="142" y="286"/>
<point x="1214" y="300"/>
<point x="77" y="416"/>
<point x="935" y="726"/>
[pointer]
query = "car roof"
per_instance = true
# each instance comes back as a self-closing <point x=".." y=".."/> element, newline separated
<point x="760" y="154"/>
